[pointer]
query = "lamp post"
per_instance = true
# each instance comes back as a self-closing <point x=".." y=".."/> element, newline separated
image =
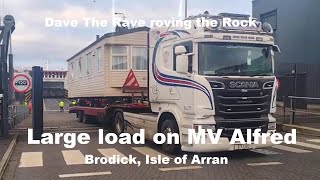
<point x="186" y="9"/>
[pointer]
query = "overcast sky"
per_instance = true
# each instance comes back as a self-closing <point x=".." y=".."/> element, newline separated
<point x="35" y="44"/>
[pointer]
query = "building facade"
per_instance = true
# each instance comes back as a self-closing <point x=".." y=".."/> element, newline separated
<point x="296" y="30"/>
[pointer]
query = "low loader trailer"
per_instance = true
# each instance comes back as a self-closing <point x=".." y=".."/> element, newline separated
<point x="201" y="78"/>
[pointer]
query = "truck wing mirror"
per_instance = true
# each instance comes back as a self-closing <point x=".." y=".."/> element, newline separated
<point x="180" y="50"/>
<point x="275" y="48"/>
<point x="182" y="64"/>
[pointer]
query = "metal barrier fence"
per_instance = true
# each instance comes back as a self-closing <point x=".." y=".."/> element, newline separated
<point x="302" y="109"/>
<point x="17" y="113"/>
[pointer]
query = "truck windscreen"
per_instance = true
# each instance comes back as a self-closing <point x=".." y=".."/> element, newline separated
<point x="234" y="59"/>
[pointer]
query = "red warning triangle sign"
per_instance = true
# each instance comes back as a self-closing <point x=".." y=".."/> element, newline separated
<point x="131" y="81"/>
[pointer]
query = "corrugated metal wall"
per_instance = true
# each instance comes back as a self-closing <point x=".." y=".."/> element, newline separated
<point x="308" y="72"/>
<point x="297" y="33"/>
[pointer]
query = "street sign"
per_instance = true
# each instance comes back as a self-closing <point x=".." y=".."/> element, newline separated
<point x="21" y="83"/>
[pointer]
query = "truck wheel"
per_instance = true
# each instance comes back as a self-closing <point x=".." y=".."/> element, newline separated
<point x="86" y="119"/>
<point x="118" y="123"/>
<point x="80" y="116"/>
<point x="170" y="126"/>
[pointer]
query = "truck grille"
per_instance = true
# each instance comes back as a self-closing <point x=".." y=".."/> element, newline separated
<point x="228" y="127"/>
<point x="233" y="103"/>
<point x="241" y="104"/>
<point x="236" y="104"/>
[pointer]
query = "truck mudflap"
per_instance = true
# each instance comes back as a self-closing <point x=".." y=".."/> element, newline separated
<point x="224" y="145"/>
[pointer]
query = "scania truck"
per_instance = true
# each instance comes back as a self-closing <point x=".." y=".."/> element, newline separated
<point x="203" y="78"/>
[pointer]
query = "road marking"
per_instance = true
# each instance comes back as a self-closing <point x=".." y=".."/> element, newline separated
<point x="73" y="157"/>
<point x="109" y="152"/>
<point x="314" y="140"/>
<point x="149" y="151"/>
<point x="264" y="164"/>
<point x="44" y="105"/>
<point x="68" y="100"/>
<point x="290" y="149"/>
<point x="56" y="101"/>
<point x="264" y="151"/>
<point x="84" y="174"/>
<point x="31" y="159"/>
<point x="180" y="168"/>
<point x="65" y="111"/>
<point x="313" y="146"/>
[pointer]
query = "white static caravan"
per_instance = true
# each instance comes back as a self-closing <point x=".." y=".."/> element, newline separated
<point x="100" y="69"/>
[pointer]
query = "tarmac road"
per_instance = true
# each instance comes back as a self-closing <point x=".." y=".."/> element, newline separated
<point x="52" y="104"/>
<point x="300" y="161"/>
<point x="56" y="162"/>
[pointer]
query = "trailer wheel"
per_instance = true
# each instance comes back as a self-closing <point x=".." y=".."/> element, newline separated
<point x="118" y="123"/>
<point x="87" y="119"/>
<point x="170" y="126"/>
<point x="80" y="116"/>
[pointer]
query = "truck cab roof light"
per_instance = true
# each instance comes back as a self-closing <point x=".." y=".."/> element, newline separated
<point x="208" y="36"/>
<point x="259" y="38"/>
<point x="232" y="15"/>
<point x="226" y="37"/>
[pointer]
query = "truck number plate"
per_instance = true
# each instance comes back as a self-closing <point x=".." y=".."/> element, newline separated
<point x="241" y="146"/>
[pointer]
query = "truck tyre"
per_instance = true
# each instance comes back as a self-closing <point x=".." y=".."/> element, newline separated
<point x="118" y="123"/>
<point x="80" y="116"/>
<point x="86" y="119"/>
<point x="170" y="126"/>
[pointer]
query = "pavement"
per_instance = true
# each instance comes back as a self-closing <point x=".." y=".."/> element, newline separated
<point x="4" y="144"/>
<point x="303" y="119"/>
<point x="306" y="121"/>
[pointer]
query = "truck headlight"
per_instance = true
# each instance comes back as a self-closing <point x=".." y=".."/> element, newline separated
<point x="204" y="126"/>
<point x="272" y="126"/>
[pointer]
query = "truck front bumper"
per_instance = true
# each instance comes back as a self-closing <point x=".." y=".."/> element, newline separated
<point x="224" y="145"/>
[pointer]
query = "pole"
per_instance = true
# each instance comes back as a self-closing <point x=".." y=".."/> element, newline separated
<point x="4" y="99"/>
<point x="37" y="102"/>
<point x="186" y="9"/>
<point x="292" y="111"/>
<point x="295" y="93"/>
<point x="284" y="109"/>
<point x="11" y="93"/>
<point x="6" y="30"/>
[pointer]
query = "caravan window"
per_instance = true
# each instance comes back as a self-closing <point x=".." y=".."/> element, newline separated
<point x="119" y="57"/>
<point x="80" y="68"/>
<point x="89" y="61"/>
<point x="71" y="70"/>
<point x="99" y="58"/>
<point x="139" y="58"/>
